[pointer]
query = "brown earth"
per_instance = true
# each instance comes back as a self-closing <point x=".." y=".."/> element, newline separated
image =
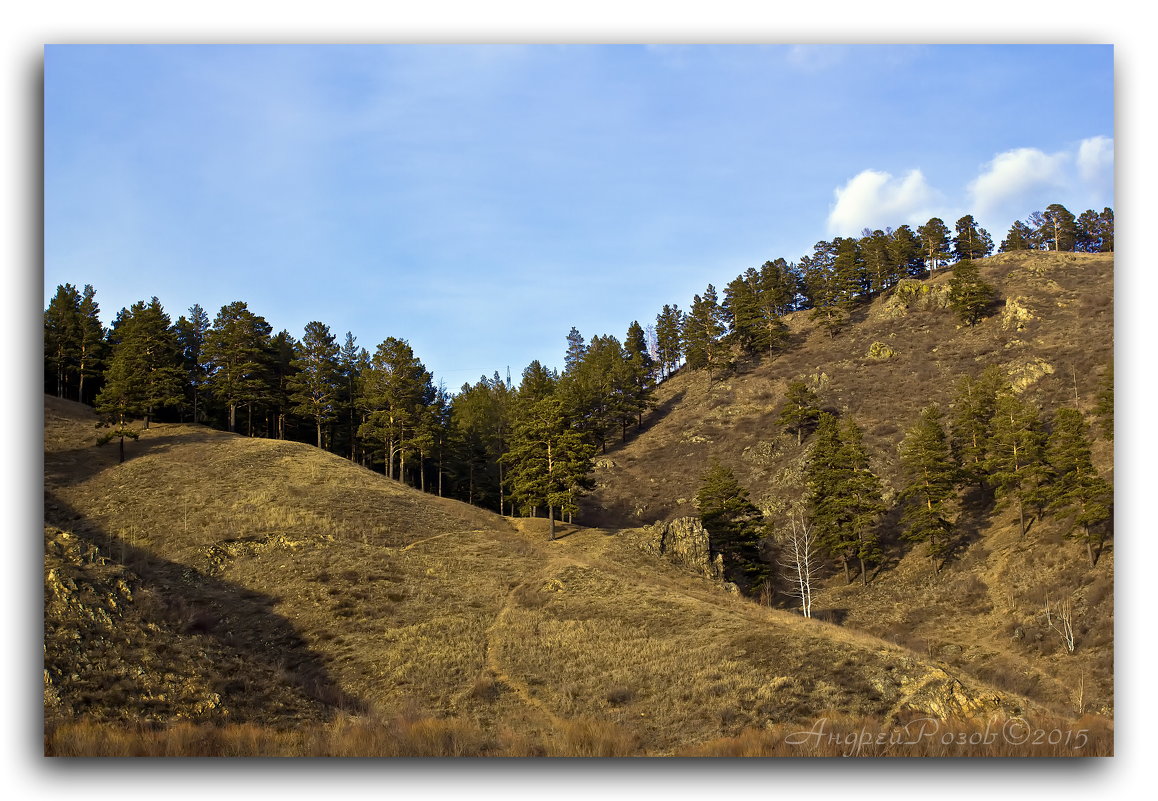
<point x="214" y="579"/>
<point x="1050" y="331"/>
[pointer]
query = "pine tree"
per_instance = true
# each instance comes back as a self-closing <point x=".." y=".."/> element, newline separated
<point x="576" y="350"/>
<point x="850" y="281"/>
<point x="480" y="420"/>
<point x="934" y="243"/>
<point x="1039" y="234"/>
<point x="973" y="410"/>
<point x="62" y="335"/>
<point x="190" y="332"/>
<point x="121" y="399"/>
<point x="352" y="363"/>
<point x="828" y="292"/>
<point x="1105" y="408"/>
<point x="395" y="388"/>
<point x="548" y="459"/>
<point x="146" y="347"/>
<point x="1106" y="231"/>
<point x="314" y="387"/>
<point x="844" y="495"/>
<point x="931" y="476"/>
<point x="90" y="343"/>
<point x="1014" y="462"/>
<point x="703" y="330"/>
<point x="237" y="357"/>
<point x="733" y="524"/>
<point x="905" y="251"/>
<point x="778" y="289"/>
<point x="1020" y="237"/>
<point x="864" y="499"/>
<point x="1060" y="231"/>
<point x="800" y="413"/>
<point x="971" y="241"/>
<point x="882" y="269"/>
<point x="742" y="314"/>
<point x="969" y="295"/>
<point x="826" y="471"/>
<point x="669" y="326"/>
<point x="1074" y="483"/>
<point x="1087" y="237"/>
<point x="641" y="368"/>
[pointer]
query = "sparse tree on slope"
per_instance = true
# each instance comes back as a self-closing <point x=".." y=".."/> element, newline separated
<point x="905" y="251"/>
<point x="1074" y="483"/>
<point x="931" y="476"/>
<point x="844" y="495"/>
<point x="732" y="522"/>
<point x="669" y="325"/>
<point x="122" y="397"/>
<point x="1014" y="461"/>
<point x="973" y="411"/>
<point x="703" y="330"/>
<point x="971" y="241"/>
<point x="934" y="243"/>
<point x="801" y="411"/>
<point x="1059" y="231"/>
<point x="1105" y="408"/>
<point x="576" y="350"/>
<point x="969" y="295"/>
<point x="1020" y="237"/>
<point x="801" y="561"/>
<point x="352" y="363"/>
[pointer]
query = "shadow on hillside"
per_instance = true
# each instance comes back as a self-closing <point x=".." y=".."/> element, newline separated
<point x="659" y="413"/>
<point x="238" y="625"/>
<point x="65" y="468"/>
<point x="976" y="510"/>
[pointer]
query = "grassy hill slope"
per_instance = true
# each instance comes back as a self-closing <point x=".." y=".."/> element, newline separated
<point x="1051" y="332"/>
<point x="312" y="606"/>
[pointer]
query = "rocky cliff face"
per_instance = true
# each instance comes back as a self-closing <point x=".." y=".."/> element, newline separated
<point x="684" y="542"/>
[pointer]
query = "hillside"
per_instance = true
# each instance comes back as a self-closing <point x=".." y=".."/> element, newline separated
<point x="308" y="605"/>
<point x="1051" y="333"/>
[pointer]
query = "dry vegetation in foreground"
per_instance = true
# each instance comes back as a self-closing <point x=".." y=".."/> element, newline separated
<point x="217" y="594"/>
<point x="414" y="736"/>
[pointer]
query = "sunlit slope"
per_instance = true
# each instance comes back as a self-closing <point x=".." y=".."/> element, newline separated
<point x="219" y="577"/>
<point x="1051" y="332"/>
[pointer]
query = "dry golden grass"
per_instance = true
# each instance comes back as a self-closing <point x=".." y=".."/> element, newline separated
<point x="984" y="613"/>
<point x="327" y="610"/>
<point x="835" y="735"/>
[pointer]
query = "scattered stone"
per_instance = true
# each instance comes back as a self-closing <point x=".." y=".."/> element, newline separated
<point x="1016" y="314"/>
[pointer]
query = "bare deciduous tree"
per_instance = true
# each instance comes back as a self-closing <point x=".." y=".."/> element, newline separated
<point x="1060" y="617"/>
<point x="799" y="548"/>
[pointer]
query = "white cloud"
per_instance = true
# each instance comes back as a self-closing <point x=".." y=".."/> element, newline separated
<point x="1014" y="175"/>
<point x="875" y="199"/>
<point x="1096" y="167"/>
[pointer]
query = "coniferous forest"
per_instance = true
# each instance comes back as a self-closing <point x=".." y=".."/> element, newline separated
<point x="528" y="449"/>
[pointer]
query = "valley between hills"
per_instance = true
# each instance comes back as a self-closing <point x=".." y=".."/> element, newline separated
<point x="223" y="594"/>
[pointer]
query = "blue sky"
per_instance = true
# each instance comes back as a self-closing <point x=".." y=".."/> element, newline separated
<point x="479" y="201"/>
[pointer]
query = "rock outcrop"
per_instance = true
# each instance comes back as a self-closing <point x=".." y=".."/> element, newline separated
<point x="684" y="542"/>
